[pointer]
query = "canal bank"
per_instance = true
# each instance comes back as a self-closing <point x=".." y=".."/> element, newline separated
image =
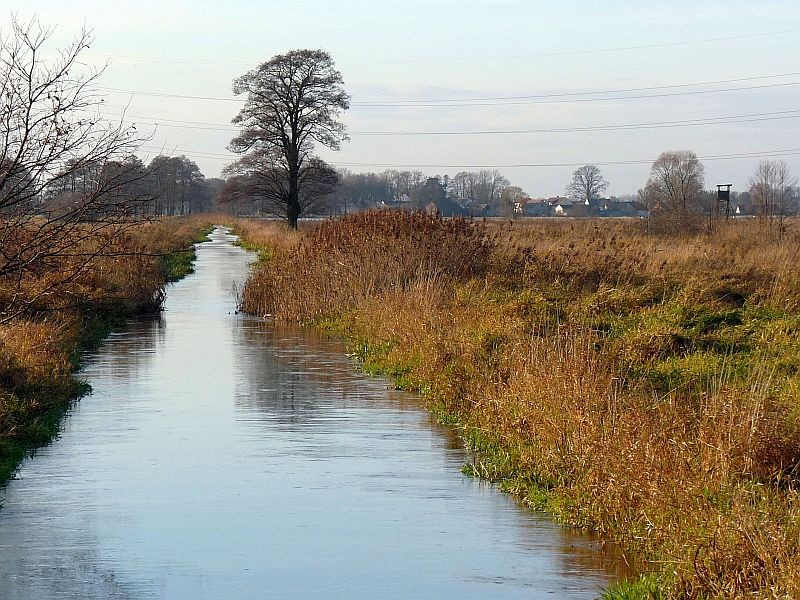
<point x="49" y="324"/>
<point x="224" y="456"/>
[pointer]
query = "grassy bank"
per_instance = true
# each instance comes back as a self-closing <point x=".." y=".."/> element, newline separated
<point x="40" y="350"/>
<point x="645" y="387"/>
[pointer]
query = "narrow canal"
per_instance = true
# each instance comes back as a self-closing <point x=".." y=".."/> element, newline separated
<point x="223" y="457"/>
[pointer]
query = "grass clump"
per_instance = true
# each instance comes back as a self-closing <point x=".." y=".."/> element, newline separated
<point x="363" y="255"/>
<point x="646" y="587"/>
<point x="641" y="386"/>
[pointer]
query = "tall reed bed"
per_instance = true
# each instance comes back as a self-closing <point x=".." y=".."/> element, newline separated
<point x="645" y="387"/>
<point x="264" y="235"/>
<point x="341" y="263"/>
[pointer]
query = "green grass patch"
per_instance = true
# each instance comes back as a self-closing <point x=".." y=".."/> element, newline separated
<point x="177" y="265"/>
<point x="263" y="253"/>
<point x="36" y="410"/>
<point x="646" y="587"/>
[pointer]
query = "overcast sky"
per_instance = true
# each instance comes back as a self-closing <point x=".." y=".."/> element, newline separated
<point x="555" y="54"/>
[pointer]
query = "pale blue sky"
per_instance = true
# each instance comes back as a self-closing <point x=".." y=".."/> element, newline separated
<point x="443" y="49"/>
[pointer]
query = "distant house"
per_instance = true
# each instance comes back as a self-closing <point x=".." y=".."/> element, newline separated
<point x="448" y="208"/>
<point x="390" y="205"/>
<point x="621" y="209"/>
<point x="594" y="204"/>
<point x="564" y="207"/>
<point x="559" y="206"/>
<point x="403" y="205"/>
<point x="479" y="210"/>
<point x="537" y="208"/>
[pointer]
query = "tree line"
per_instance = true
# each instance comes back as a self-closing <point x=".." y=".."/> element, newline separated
<point x="296" y="100"/>
<point x="58" y="162"/>
<point x="675" y="192"/>
<point x="365" y="190"/>
<point x="166" y="186"/>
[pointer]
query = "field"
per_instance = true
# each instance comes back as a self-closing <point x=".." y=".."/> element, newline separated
<point x="642" y="386"/>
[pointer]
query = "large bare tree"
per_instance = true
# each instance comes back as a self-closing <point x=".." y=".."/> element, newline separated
<point x="293" y="100"/>
<point x="512" y="201"/>
<point x="587" y="184"/>
<point x="771" y="190"/>
<point x="675" y="185"/>
<point x="66" y="188"/>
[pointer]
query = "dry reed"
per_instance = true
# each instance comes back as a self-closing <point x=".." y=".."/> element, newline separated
<point x="642" y="386"/>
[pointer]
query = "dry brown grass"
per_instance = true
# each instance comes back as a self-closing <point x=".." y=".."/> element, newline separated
<point x="740" y="258"/>
<point x="642" y="386"/>
<point x="340" y="263"/>
<point x="265" y="234"/>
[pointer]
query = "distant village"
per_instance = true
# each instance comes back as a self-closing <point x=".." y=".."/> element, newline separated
<point x="484" y="193"/>
<point x="178" y="187"/>
<point x="556" y="206"/>
<point x="487" y="193"/>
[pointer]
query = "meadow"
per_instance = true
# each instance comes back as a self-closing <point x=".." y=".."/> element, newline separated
<point x="644" y="386"/>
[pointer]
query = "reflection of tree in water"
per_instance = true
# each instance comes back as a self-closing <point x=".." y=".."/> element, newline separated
<point x="127" y="352"/>
<point x="297" y="376"/>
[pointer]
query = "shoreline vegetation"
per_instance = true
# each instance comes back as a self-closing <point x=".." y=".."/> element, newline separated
<point x="641" y="386"/>
<point x="40" y="351"/>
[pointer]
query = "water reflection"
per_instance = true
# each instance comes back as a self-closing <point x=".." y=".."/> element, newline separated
<point x="127" y="352"/>
<point x="224" y="457"/>
<point x="297" y="377"/>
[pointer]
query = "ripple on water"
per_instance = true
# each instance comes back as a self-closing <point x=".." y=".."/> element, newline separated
<point x="224" y="457"/>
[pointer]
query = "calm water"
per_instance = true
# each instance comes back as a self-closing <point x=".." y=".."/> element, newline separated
<point x="223" y="457"/>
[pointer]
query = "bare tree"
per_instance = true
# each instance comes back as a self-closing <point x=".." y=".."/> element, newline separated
<point x="675" y="186"/>
<point x="587" y="184"/>
<point x="432" y="191"/>
<point x="65" y="190"/>
<point x="490" y="184"/>
<point x="178" y="186"/>
<point x="771" y="190"/>
<point x="293" y="101"/>
<point x="260" y="178"/>
<point x="463" y="187"/>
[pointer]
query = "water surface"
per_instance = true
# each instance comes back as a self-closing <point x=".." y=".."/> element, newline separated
<point x="224" y="457"/>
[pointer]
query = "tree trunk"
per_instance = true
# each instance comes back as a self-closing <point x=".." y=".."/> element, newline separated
<point x="293" y="205"/>
<point x="293" y="213"/>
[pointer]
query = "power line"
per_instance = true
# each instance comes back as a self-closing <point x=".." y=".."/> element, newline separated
<point x="166" y="95"/>
<point x="734" y="119"/>
<point x="764" y="154"/>
<point x="755" y="154"/>
<point x="723" y="120"/>
<point x="574" y="100"/>
<point x="597" y="92"/>
<point x="554" y="98"/>
<point x="592" y="51"/>
<point x="200" y="153"/>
